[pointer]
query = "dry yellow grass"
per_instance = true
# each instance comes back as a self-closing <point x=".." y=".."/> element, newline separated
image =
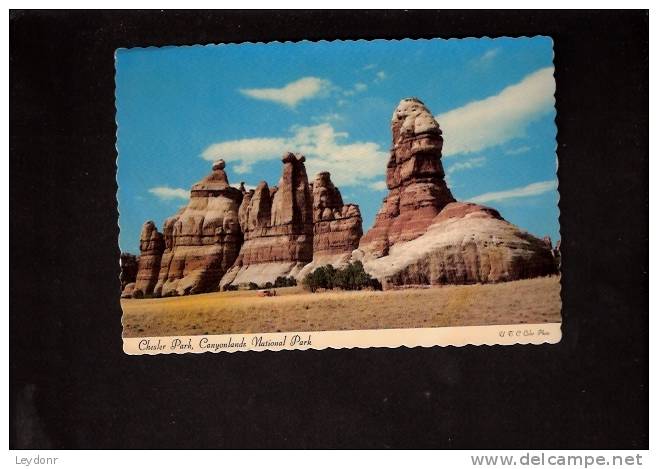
<point x="524" y="301"/>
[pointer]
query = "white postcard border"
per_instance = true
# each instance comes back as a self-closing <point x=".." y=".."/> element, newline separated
<point x="509" y="334"/>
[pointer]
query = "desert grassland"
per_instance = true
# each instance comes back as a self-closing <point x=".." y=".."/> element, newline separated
<point x="295" y="310"/>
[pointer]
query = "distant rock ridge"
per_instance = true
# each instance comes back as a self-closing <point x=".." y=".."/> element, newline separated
<point x="128" y="263"/>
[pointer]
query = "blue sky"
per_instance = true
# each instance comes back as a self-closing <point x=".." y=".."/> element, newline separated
<point x="180" y="108"/>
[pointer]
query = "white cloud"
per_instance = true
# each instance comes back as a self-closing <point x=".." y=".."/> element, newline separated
<point x="369" y="66"/>
<point x="519" y="150"/>
<point x="380" y="76"/>
<point x="247" y="187"/>
<point x="169" y="193"/>
<point x="500" y="118"/>
<point x="246" y="151"/>
<point x="294" y="92"/>
<point x="378" y="185"/>
<point x="348" y="163"/>
<point x="490" y="54"/>
<point x="325" y="150"/>
<point x="329" y="117"/>
<point x="357" y="88"/>
<point x="486" y="58"/>
<point x="536" y="188"/>
<point x="465" y="165"/>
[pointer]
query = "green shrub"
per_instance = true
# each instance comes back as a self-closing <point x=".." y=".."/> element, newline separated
<point x="253" y="286"/>
<point x="282" y="282"/>
<point x="351" y="277"/>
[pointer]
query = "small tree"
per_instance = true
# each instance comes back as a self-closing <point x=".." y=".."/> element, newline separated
<point x="320" y="277"/>
<point x="309" y="283"/>
<point x="253" y="286"/>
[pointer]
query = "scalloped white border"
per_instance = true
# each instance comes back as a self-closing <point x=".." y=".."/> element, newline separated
<point x="513" y="334"/>
<point x="546" y="333"/>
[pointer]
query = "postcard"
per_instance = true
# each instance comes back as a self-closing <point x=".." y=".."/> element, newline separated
<point x="312" y="195"/>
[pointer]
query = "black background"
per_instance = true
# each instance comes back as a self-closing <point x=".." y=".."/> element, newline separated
<point x="72" y="387"/>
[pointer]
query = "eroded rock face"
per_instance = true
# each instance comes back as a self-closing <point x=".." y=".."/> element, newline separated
<point x="421" y="236"/>
<point x="151" y="246"/>
<point x="203" y="239"/>
<point x="415" y="179"/>
<point x="337" y="226"/>
<point x="128" y="290"/>
<point x="278" y="227"/>
<point x="466" y="243"/>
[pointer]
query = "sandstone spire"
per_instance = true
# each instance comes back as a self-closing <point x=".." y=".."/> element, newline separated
<point x="151" y="246"/>
<point x="336" y="226"/>
<point x="415" y="179"/>
<point x="203" y="239"/>
<point x="421" y="236"/>
<point x="278" y="227"/>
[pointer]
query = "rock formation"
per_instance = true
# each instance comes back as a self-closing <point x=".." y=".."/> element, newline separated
<point x="414" y="176"/>
<point x="555" y="251"/>
<point x="278" y="228"/>
<point x="128" y="290"/>
<point x="151" y="246"/>
<point x="421" y="236"/>
<point x="203" y="239"/>
<point x="465" y="243"/>
<point x="336" y="226"/>
<point x="128" y="263"/>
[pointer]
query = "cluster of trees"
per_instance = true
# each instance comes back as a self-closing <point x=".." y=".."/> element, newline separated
<point x="280" y="282"/>
<point x="350" y="277"/>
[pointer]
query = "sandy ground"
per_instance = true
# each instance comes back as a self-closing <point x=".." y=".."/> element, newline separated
<point x="293" y="309"/>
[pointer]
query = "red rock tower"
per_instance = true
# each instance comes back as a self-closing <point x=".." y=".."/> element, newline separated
<point x="337" y="226"/>
<point x="151" y="246"/>
<point x="278" y="227"/>
<point x="415" y="179"/>
<point x="203" y="239"/>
